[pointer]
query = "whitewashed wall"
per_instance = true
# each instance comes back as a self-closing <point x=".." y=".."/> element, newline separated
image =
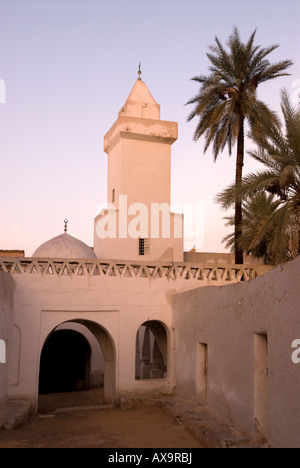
<point x="233" y="322"/>
<point x="6" y="324"/>
<point x="113" y="299"/>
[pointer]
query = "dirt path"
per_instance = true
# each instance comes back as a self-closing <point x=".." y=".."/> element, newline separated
<point x="89" y="425"/>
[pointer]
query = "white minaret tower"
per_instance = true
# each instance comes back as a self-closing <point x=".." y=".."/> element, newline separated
<point x="139" y="225"/>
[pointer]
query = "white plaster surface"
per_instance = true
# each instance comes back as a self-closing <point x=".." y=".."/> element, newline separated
<point x="64" y="246"/>
<point x="228" y="319"/>
<point x="138" y="146"/>
<point x="6" y="324"/>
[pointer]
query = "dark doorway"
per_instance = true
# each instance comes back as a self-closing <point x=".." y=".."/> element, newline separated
<point x="65" y="363"/>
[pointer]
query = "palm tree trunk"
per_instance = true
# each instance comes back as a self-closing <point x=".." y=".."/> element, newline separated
<point x="239" y="257"/>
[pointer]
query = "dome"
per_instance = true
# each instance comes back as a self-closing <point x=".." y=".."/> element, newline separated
<point x="64" y="246"/>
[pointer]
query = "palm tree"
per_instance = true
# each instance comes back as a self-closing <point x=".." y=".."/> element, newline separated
<point x="280" y="154"/>
<point x="256" y="209"/>
<point x="228" y="98"/>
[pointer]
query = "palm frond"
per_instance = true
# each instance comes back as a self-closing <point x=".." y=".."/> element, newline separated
<point x="227" y="98"/>
<point x="271" y="197"/>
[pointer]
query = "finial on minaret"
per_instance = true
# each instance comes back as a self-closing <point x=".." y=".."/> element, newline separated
<point x="140" y="72"/>
<point x="66" y="225"/>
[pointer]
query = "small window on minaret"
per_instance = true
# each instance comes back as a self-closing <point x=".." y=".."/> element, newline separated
<point x="144" y="246"/>
<point x="113" y="195"/>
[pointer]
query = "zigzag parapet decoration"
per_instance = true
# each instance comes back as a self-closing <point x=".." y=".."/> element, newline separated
<point x="114" y="269"/>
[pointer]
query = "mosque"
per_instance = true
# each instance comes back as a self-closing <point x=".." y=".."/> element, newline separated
<point x="138" y="316"/>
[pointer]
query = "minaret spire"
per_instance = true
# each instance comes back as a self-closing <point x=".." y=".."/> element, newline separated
<point x="140" y="72"/>
<point x="66" y="225"/>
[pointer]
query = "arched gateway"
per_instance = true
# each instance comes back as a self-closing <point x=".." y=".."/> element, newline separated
<point x="65" y="360"/>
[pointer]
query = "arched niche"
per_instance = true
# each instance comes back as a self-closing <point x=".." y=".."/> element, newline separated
<point x="151" y="351"/>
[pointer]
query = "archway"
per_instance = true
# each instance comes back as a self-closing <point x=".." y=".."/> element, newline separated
<point x="151" y="351"/>
<point x="65" y="360"/>
<point x="65" y="363"/>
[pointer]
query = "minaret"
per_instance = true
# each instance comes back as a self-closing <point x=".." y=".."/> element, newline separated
<point x="138" y="146"/>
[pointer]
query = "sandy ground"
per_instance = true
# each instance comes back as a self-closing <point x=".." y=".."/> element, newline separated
<point x="77" y="420"/>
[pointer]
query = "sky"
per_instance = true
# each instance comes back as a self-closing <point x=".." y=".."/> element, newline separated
<point x="68" y="67"/>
